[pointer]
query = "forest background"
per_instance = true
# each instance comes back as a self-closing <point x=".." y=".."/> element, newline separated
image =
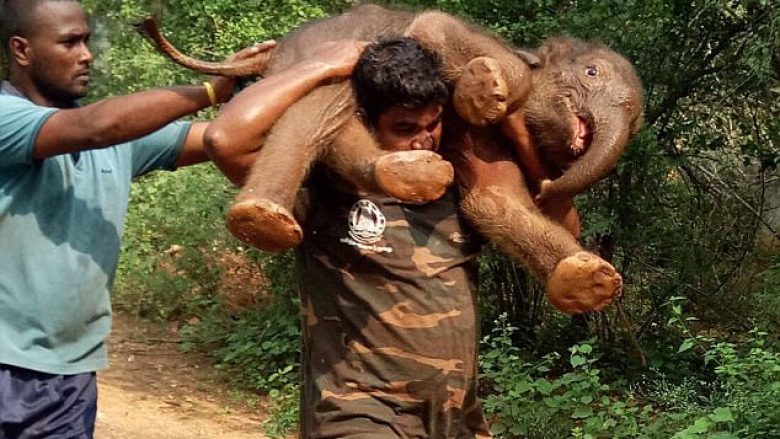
<point x="690" y="217"/>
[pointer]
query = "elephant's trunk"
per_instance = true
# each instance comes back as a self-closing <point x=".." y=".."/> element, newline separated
<point x="611" y="133"/>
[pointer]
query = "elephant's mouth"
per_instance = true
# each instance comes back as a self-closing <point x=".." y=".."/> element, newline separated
<point x="583" y="135"/>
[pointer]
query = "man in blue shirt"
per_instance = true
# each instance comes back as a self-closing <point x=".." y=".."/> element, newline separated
<point x="65" y="173"/>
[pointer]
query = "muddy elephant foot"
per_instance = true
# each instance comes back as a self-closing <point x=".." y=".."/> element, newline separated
<point x="264" y="225"/>
<point x="418" y="176"/>
<point x="583" y="282"/>
<point x="481" y="92"/>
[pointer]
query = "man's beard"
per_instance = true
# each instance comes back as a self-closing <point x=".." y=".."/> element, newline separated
<point x="57" y="94"/>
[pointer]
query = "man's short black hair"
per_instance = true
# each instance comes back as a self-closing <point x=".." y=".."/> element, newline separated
<point x="16" y="18"/>
<point x="397" y="72"/>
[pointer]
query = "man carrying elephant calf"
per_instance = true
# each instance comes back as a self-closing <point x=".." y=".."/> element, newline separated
<point x="388" y="288"/>
<point x="372" y="268"/>
<point x="581" y="103"/>
<point x="65" y="173"/>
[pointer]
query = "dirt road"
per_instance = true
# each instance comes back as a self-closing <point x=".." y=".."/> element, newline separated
<point x="151" y="390"/>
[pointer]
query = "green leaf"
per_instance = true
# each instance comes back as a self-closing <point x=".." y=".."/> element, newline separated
<point x="519" y="430"/>
<point x="722" y="414"/>
<point x="544" y="387"/>
<point x="582" y="413"/>
<point x="702" y="425"/>
<point x="552" y="402"/>
<point x="498" y="428"/>
<point x="522" y="387"/>
<point x="685" y="346"/>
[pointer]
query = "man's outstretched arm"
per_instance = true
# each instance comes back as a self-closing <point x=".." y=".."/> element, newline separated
<point x="124" y="118"/>
<point x="234" y="138"/>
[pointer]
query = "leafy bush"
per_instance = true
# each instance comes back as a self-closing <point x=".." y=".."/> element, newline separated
<point x="528" y="400"/>
<point x="750" y="377"/>
<point x="260" y="349"/>
<point x="173" y="239"/>
<point x="532" y="400"/>
<point x="768" y="299"/>
<point x="742" y="399"/>
<point x="284" y="412"/>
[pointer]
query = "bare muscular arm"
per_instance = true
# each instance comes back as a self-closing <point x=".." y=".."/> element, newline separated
<point x="120" y="119"/>
<point x="235" y="137"/>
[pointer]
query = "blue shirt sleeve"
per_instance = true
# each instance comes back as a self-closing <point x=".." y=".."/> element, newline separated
<point x="160" y="149"/>
<point x="20" y="122"/>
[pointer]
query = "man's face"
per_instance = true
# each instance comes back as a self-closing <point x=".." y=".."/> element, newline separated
<point x="59" y="58"/>
<point x="405" y="129"/>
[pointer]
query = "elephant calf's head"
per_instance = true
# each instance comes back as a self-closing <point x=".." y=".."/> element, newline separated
<point x="586" y="104"/>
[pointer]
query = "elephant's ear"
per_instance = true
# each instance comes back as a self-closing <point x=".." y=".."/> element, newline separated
<point x="530" y="58"/>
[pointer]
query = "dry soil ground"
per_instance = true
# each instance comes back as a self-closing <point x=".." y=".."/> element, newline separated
<point x="152" y="390"/>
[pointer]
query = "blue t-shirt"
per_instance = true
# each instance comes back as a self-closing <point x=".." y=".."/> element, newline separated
<point x="61" y="223"/>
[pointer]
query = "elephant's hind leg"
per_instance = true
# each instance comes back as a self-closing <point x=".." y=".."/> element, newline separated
<point x="262" y="214"/>
<point x="481" y="93"/>
<point x="489" y="78"/>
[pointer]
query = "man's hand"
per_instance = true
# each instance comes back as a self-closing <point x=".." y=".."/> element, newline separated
<point x="338" y="57"/>
<point x="223" y="85"/>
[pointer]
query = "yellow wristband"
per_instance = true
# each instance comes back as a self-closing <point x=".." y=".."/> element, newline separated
<point x="212" y="94"/>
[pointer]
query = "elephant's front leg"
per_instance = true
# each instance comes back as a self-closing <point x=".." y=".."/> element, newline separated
<point x="417" y="176"/>
<point x="562" y="211"/>
<point x="262" y="214"/>
<point x="497" y="202"/>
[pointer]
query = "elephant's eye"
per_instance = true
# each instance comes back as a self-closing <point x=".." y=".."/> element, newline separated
<point x="591" y="70"/>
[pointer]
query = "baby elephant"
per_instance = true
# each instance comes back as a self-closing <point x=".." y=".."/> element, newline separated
<point x="580" y="103"/>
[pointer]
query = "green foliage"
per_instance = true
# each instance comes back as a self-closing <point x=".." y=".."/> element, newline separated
<point x="531" y="401"/>
<point x="208" y="30"/>
<point x="741" y="401"/>
<point x="768" y="300"/>
<point x="261" y="349"/>
<point x="263" y="346"/>
<point x="284" y="412"/>
<point x="174" y="236"/>
<point x="750" y="376"/>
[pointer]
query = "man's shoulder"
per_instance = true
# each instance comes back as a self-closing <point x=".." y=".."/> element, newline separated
<point x="12" y="95"/>
<point x="11" y="105"/>
<point x="8" y="101"/>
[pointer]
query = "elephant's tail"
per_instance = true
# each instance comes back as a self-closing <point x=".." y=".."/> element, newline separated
<point x="254" y="66"/>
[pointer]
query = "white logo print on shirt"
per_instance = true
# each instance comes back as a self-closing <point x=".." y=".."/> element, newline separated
<point x="366" y="227"/>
